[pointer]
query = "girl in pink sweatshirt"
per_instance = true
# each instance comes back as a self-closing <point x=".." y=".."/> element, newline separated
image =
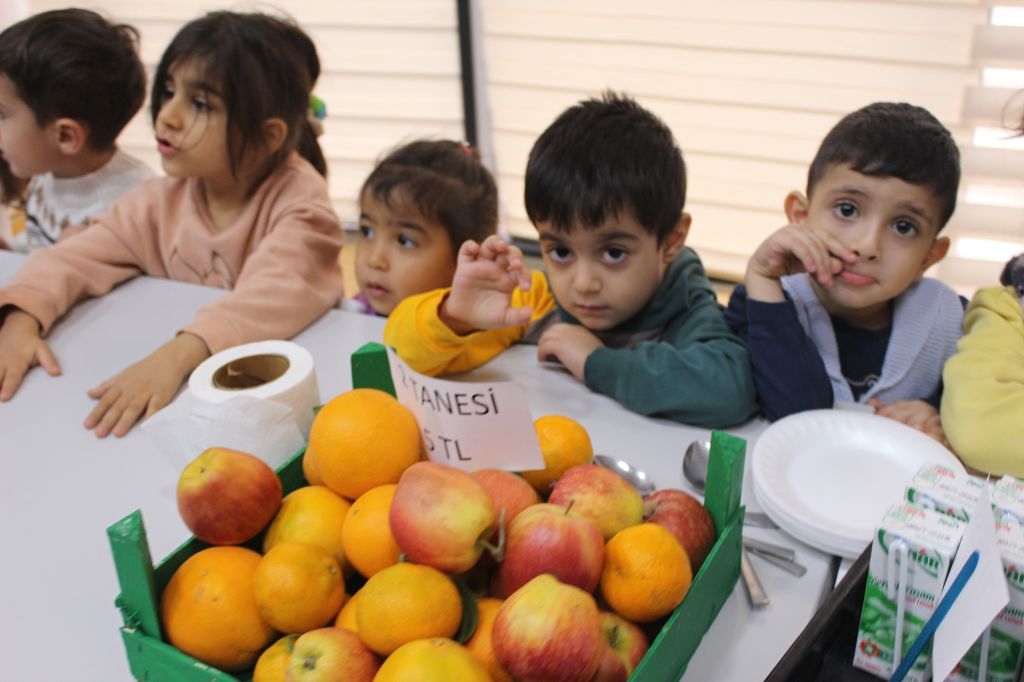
<point x="244" y="207"/>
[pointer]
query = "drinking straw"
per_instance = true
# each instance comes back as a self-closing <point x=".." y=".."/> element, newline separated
<point x="896" y="590"/>
<point x="937" y="617"/>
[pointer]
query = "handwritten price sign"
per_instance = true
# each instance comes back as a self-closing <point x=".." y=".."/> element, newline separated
<point x="485" y="425"/>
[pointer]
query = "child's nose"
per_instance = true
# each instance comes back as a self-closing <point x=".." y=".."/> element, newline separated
<point x="378" y="254"/>
<point x="868" y="242"/>
<point x="169" y="115"/>
<point x="586" y="279"/>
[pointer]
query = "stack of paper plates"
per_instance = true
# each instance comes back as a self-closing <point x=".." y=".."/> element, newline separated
<point x="828" y="476"/>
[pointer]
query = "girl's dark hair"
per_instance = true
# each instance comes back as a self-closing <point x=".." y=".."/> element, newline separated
<point x="264" y="66"/>
<point x="445" y="182"/>
<point x="12" y="188"/>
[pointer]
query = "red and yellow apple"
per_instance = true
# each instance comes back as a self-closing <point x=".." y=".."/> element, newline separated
<point x="627" y="645"/>
<point x="686" y="518"/>
<point x="328" y="654"/>
<point x="545" y="538"/>
<point x="547" y="630"/>
<point x="226" y="497"/>
<point x="441" y="516"/>
<point x="600" y="495"/>
<point x="510" y="492"/>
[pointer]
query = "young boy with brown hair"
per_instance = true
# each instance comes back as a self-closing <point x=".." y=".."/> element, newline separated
<point x="835" y="307"/>
<point x="69" y="83"/>
<point x="623" y="305"/>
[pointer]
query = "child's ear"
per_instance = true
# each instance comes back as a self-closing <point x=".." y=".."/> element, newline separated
<point x="275" y="132"/>
<point x="937" y="251"/>
<point x="676" y="239"/>
<point x="796" y="207"/>
<point x="70" y="135"/>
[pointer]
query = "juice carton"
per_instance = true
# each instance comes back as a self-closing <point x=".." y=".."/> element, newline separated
<point x="1008" y="498"/>
<point x="911" y="554"/>
<point x="1006" y="634"/>
<point x="946" y="490"/>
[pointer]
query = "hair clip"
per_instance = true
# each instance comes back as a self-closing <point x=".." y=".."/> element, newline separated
<point x="466" y="148"/>
<point x="317" y="108"/>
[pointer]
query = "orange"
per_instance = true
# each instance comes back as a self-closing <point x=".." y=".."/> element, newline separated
<point x="361" y="439"/>
<point x="366" y="535"/>
<point x="272" y="665"/>
<point x="432" y="660"/>
<point x="564" y="443"/>
<point x="298" y="587"/>
<point x="346" y="619"/>
<point x="405" y="602"/>
<point x="310" y="469"/>
<point x="480" y="644"/>
<point x="313" y="514"/>
<point x="646" y="573"/>
<point x="209" y="611"/>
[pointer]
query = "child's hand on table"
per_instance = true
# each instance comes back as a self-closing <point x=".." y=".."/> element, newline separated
<point x="792" y="249"/>
<point x="145" y="387"/>
<point x="570" y="344"/>
<point x="915" y="413"/>
<point x="485" y="277"/>
<point x="21" y="348"/>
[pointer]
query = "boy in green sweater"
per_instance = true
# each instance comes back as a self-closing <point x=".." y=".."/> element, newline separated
<point x="624" y="306"/>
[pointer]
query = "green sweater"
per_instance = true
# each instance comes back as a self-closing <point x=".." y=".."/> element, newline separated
<point x="691" y="368"/>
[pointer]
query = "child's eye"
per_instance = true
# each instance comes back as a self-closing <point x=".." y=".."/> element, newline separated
<point x="366" y="231"/>
<point x="559" y="254"/>
<point x="406" y="242"/>
<point x="905" y="228"/>
<point x="201" y="105"/>
<point x="846" y="209"/>
<point x="614" y="254"/>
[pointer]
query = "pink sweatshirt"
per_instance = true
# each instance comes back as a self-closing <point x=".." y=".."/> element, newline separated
<point x="279" y="258"/>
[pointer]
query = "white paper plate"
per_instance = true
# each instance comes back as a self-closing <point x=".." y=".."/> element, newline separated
<point x="828" y="476"/>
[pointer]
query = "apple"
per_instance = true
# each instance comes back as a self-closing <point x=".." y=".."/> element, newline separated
<point x="685" y="517"/>
<point x="627" y="645"/>
<point x="226" y="497"/>
<point x="441" y="517"/>
<point x="328" y="654"/>
<point x="600" y="495"/>
<point x="545" y="538"/>
<point x="509" y="491"/>
<point x="547" y="630"/>
<point x="272" y="665"/>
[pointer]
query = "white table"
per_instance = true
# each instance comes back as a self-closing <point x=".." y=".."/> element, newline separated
<point x="60" y="487"/>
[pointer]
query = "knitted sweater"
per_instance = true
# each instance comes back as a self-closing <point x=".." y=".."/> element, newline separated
<point x="927" y="318"/>
<point x="983" y="401"/>
<point x="56" y="207"/>
<point x="676" y="358"/>
<point x="279" y="258"/>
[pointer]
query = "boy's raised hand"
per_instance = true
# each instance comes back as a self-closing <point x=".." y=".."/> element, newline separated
<point x="145" y="387"/>
<point x="791" y="249"/>
<point x="21" y="348"/>
<point x="485" y="276"/>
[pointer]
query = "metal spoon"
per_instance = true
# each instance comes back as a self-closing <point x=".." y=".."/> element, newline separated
<point x="695" y="469"/>
<point x="636" y="477"/>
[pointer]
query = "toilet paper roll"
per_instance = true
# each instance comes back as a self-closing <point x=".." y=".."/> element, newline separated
<point x="257" y="398"/>
<point x="280" y="371"/>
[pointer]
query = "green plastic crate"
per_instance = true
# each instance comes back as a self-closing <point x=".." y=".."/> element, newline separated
<point x="153" y="660"/>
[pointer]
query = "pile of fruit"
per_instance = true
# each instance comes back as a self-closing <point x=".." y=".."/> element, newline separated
<point x="390" y="567"/>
